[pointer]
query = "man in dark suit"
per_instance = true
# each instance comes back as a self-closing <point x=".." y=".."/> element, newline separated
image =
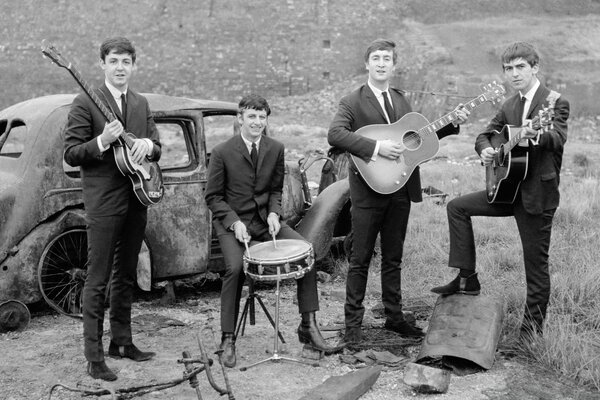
<point x="244" y="190"/>
<point x="374" y="213"/>
<point x="537" y="196"/>
<point x="116" y="219"/>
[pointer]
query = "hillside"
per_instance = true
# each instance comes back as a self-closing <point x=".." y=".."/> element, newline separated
<point x="288" y="48"/>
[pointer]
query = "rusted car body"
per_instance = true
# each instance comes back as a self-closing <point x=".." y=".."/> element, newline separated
<point x="43" y="246"/>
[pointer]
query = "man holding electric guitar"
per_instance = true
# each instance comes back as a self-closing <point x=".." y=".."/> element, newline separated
<point x="369" y="126"/>
<point x="522" y="150"/>
<point x="116" y="214"/>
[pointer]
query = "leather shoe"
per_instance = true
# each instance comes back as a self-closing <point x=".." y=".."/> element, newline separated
<point x="352" y="335"/>
<point x="469" y="285"/>
<point x="309" y="333"/>
<point x="129" y="351"/>
<point x="99" y="370"/>
<point x="404" y="329"/>
<point x="228" y="350"/>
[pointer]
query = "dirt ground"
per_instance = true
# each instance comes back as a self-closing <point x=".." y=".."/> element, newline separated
<point x="50" y="351"/>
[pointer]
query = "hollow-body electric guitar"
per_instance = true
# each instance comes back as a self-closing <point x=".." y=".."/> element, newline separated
<point x="146" y="177"/>
<point x="508" y="168"/>
<point x="419" y="139"/>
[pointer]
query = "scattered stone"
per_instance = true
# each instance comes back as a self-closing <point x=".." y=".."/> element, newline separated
<point x="323" y="277"/>
<point x="424" y="379"/>
<point x="345" y="387"/>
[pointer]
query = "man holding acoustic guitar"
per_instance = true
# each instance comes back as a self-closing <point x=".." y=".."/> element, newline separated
<point x="116" y="216"/>
<point x="522" y="150"/>
<point x="375" y="125"/>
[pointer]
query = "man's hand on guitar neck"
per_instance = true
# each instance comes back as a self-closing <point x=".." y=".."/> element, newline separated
<point x="112" y="131"/>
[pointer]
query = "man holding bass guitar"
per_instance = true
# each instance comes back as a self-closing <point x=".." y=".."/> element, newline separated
<point x="374" y="212"/>
<point x="531" y="170"/>
<point x="116" y="218"/>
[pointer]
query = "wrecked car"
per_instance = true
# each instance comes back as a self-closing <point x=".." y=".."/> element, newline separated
<point x="43" y="244"/>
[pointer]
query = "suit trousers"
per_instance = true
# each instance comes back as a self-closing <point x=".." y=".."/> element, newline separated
<point x="114" y="243"/>
<point x="233" y="280"/>
<point x="388" y="218"/>
<point x="534" y="230"/>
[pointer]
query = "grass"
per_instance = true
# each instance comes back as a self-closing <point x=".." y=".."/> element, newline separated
<point x="571" y="341"/>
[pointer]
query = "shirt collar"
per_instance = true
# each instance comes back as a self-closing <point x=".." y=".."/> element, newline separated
<point x="376" y="91"/>
<point x="529" y="95"/>
<point x="249" y="143"/>
<point x="116" y="93"/>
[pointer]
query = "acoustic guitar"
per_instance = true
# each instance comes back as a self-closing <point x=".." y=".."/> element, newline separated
<point x="146" y="177"/>
<point x="508" y="168"/>
<point x="419" y="139"/>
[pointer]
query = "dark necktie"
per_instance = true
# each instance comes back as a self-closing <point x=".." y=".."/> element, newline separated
<point x="388" y="107"/>
<point x="254" y="155"/>
<point x="123" y="109"/>
<point x="520" y="111"/>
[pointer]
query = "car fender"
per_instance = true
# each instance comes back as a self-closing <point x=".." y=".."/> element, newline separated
<point x="19" y="270"/>
<point x="319" y="222"/>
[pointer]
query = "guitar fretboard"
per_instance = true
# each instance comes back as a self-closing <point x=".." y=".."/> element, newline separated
<point x="451" y="116"/>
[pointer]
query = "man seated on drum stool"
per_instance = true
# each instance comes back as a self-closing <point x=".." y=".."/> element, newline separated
<point x="244" y="190"/>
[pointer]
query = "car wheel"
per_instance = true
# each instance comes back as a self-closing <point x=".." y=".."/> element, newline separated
<point x="62" y="271"/>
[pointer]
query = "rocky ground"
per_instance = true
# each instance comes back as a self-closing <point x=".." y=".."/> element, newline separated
<point x="49" y="352"/>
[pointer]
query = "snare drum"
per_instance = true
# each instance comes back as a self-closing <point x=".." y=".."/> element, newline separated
<point x="293" y="257"/>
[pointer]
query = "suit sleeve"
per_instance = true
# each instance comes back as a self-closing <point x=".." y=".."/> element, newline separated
<point x="153" y="135"/>
<point x="496" y="124"/>
<point x="341" y="133"/>
<point x="215" y="190"/>
<point x="80" y="145"/>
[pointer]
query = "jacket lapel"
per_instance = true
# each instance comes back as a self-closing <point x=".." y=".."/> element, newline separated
<point x="241" y="147"/>
<point x="373" y="101"/>
<point x="538" y="101"/>
<point x="263" y="149"/>
<point x="109" y="100"/>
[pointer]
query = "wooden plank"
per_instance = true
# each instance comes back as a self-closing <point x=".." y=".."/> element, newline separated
<point x="345" y="387"/>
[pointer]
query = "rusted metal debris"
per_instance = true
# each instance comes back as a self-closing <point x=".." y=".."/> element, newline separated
<point x="189" y="375"/>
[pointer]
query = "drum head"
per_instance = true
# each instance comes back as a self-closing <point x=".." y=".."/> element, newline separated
<point x="286" y="250"/>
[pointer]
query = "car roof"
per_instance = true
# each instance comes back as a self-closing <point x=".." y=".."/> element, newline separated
<point x="42" y="106"/>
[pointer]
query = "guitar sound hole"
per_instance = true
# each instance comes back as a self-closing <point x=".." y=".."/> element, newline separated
<point x="411" y="140"/>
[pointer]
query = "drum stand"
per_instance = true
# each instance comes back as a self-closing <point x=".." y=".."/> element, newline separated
<point x="276" y="357"/>
<point x="249" y="308"/>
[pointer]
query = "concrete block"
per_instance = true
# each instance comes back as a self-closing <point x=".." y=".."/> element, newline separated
<point x="424" y="379"/>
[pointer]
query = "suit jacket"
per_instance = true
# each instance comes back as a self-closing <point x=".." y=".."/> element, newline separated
<point x="358" y="109"/>
<point x="105" y="190"/>
<point x="539" y="189"/>
<point x="234" y="191"/>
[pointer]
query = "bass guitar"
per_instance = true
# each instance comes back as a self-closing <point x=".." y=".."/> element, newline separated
<point x="146" y="177"/>
<point x="419" y="139"/>
<point x="508" y="168"/>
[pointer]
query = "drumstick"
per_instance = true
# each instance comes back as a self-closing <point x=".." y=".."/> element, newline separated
<point x="274" y="241"/>
<point x="247" y="249"/>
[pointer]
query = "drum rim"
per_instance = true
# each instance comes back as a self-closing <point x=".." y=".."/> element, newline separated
<point x="305" y="253"/>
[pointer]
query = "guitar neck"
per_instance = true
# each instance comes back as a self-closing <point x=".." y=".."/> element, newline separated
<point x="88" y="89"/>
<point x="441" y="122"/>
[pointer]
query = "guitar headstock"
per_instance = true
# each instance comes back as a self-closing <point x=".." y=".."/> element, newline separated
<point x="53" y="54"/>
<point x="544" y="119"/>
<point x="493" y="92"/>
